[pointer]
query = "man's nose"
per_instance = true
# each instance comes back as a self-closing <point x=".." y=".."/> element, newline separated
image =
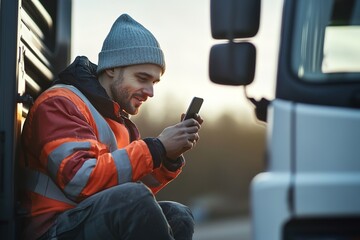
<point x="149" y="90"/>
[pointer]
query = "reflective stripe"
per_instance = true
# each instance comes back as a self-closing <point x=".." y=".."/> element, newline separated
<point x="63" y="151"/>
<point x="45" y="186"/>
<point x="150" y="181"/>
<point x="105" y="133"/>
<point x="123" y="165"/>
<point x="79" y="181"/>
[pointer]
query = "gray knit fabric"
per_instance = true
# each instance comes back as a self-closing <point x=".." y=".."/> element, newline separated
<point x="129" y="43"/>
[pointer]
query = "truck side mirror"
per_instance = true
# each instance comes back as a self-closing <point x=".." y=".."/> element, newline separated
<point x="234" y="18"/>
<point x="232" y="63"/>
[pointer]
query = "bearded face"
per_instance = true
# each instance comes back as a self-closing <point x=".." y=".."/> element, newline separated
<point x="132" y="85"/>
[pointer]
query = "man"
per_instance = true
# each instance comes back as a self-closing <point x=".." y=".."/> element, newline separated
<point x="88" y="173"/>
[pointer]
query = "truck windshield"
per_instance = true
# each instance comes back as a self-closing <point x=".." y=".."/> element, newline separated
<point x="326" y="42"/>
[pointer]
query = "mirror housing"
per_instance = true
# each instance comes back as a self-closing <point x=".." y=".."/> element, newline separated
<point x="232" y="63"/>
<point x="232" y="19"/>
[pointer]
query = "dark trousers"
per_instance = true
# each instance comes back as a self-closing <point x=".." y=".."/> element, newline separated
<point x="127" y="212"/>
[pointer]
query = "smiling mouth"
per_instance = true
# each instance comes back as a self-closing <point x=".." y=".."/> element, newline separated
<point x="139" y="101"/>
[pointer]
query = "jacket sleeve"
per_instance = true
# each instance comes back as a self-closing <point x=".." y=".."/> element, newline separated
<point x="63" y="140"/>
<point x="165" y="170"/>
<point x="165" y="175"/>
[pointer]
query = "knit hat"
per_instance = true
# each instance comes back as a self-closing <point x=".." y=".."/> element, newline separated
<point x="129" y="43"/>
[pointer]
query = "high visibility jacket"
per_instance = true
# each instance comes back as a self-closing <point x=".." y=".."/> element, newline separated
<point x="70" y="152"/>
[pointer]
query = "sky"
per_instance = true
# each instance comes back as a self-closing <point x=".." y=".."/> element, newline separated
<point x="183" y="31"/>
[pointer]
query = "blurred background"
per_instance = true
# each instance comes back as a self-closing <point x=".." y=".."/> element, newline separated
<point x="215" y="182"/>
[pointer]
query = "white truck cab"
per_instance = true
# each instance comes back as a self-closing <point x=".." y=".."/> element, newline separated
<point x="311" y="186"/>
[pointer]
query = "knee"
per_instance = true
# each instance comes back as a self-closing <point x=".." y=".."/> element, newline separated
<point x="175" y="211"/>
<point x="179" y="218"/>
<point x="136" y="189"/>
<point x="128" y="192"/>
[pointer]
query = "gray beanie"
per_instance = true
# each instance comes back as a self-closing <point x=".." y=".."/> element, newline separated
<point x="129" y="43"/>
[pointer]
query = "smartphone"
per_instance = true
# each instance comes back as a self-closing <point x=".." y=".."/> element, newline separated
<point x="193" y="108"/>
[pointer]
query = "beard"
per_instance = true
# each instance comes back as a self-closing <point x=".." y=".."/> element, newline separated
<point x="122" y="96"/>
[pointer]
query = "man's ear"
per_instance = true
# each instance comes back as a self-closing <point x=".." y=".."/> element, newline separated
<point x="110" y="72"/>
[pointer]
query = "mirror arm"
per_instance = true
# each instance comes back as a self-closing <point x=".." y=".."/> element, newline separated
<point x="260" y="106"/>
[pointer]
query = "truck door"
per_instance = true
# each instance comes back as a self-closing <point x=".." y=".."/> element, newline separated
<point x="34" y="45"/>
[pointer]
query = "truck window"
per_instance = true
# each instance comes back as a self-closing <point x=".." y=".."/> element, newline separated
<point x="326" y="41"/>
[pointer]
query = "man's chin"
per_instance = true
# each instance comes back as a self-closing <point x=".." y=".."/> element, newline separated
<point x="133" y="111"/>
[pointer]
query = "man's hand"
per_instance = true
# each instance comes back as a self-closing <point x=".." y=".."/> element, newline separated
<point x="181" y="137"/>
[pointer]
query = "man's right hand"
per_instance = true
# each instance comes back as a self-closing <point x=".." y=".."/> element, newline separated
<point x="181" y="137"/>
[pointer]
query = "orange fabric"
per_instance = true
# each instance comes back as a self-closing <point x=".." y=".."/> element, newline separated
<point x="60" y="116"/>
<point x="122" y="139"/>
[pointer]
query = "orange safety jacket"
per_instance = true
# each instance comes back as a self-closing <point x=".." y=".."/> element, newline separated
<point x="70" y="152"/>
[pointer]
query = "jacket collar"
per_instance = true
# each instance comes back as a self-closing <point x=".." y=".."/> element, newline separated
<point x="82" y="75"/>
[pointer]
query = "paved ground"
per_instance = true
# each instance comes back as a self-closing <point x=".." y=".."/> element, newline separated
<point x="234" y="229"/>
